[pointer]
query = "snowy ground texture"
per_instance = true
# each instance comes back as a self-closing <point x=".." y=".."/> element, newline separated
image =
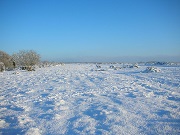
<point x="76" y="99"/>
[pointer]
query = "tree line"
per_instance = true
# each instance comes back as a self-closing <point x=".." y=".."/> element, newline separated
<point x="24" y="59"/>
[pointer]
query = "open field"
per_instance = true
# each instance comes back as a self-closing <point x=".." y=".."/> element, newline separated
<point x="85" y="99"/>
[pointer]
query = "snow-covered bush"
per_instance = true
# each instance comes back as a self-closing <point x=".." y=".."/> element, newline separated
<point x="26" y="58"/>
<point x="152" y="69"/>
<point x="112" y="66"/>
<point x="98" y="66"/>
<point x="115" y="68"/>
<point x="136" y="65"/>
<point x="2" y="67"/>
<point x="130" y="66"/>
<point x="7" y="60"/>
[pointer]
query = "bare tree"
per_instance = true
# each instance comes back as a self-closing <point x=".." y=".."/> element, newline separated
<point x="26" y="58"/>
<point x="6" y="59"/>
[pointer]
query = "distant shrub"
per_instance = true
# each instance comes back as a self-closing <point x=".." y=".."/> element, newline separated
<point x="152" y="69"/>
<point x="112" y="66"/>
<point x="98" y="66"/>
<point x="157" y="63"/>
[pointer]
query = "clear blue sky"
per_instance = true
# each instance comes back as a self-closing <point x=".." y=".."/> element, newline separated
<point x="92" y="30"/>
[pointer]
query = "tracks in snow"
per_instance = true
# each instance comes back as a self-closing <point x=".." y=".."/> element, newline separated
<point x="77" y="100"/>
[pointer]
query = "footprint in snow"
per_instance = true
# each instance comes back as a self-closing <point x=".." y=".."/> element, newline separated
<point x="162" y="113"/>
<point x="44" y="95"/>
<point x="131" y="95"/>
<point x="95" y="113"/>
<point x="11" y="107"/>
<point x="173" y="98"/>
<point x="45" y="106"/>
<point x="47" y="116"/>
<point x="13" y="128"/>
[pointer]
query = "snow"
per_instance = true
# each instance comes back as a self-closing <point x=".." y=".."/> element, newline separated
<point x="152" y="69"/>
<point x="85" y="99"/>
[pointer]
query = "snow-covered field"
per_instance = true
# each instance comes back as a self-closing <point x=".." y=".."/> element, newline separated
<point x="76" y="99"/>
